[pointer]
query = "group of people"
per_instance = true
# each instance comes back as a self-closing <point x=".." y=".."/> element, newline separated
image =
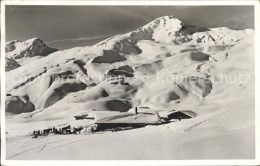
<point x="54" y="130"/>
<point x="44" y="132"/>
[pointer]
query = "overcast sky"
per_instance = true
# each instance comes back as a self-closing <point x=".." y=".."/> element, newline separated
<point x="69" y="26"/>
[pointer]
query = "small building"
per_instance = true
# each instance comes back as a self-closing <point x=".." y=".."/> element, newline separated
<point x="78" y="117"/>
<point x="183" y="114"/>
<point x="118" y="119"/>
<point x="85" y="116"/>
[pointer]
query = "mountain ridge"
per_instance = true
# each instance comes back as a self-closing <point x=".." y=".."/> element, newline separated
<point x="161" y="46"/>
<point x="22" y="52"/>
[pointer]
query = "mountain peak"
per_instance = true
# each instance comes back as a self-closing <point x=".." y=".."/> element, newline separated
<point x="34" y="41"/>
<point x="171" y="30"/>
<point x="28" y="48"/>
<point x="166" y="22"/>
<point x="166" y="29"/>
<point x="19" y="53"/>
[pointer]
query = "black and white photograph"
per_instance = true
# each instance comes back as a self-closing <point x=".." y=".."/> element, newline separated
<point x="128" y="82"/>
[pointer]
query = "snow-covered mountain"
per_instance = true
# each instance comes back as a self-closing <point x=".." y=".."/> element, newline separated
<point x="163" y="65"/>
<point x="19" y="53"/>
<point x="164" y="46"/>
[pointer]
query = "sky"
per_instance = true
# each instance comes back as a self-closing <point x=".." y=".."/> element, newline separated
<point x="65" y="27"/>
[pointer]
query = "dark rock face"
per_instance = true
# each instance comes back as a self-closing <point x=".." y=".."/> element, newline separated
<point x="15" y="105"/>
<point x="10" y="46"/>
<point x="127" y="47"/>
<point x="126" y="68"/>
<point x="125" y="71"/>
<point x="104" y="93"/>
<point x="116" y="72"/>
<point x="207" y="87"/>
<point x="81" y="64"/>
<point x="118" y="105"/>
<point x="109" y="56"/>
<point x="199" y="56"/>
<point x="11" y="64"/>
<point x="173" y="96"/>
<point x="62" y="91"/>
<point x="138" y="35"/>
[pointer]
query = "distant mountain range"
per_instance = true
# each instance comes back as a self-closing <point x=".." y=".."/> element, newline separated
<point x="166" y="47"/>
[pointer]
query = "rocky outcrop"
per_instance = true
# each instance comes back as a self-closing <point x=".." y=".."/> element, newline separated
<point x="17" y="51"/>
<point x="118" y="105"/>
<point x="17" y="105"/>
<point x="109" y="56"/>
<point x="60" y="92"/>
<point x="11" y="64"/>
<point x="126" y="46"/>
<point x="10" y="46"/>
<point x="125" y="71"/>
<point x="199" y="56"/>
